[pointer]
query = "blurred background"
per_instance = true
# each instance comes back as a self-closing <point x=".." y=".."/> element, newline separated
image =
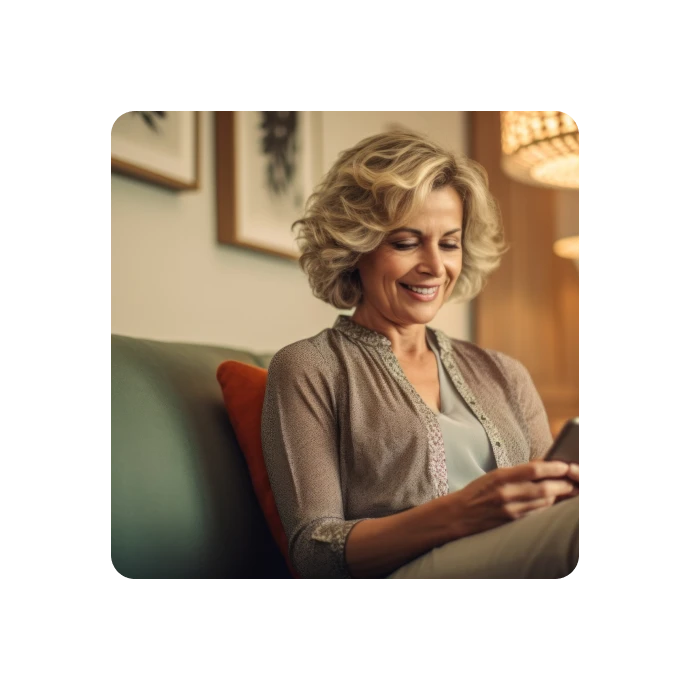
<point x="202" y="252"/>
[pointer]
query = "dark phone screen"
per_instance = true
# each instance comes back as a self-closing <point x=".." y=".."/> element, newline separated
<point x="566" y="447"/>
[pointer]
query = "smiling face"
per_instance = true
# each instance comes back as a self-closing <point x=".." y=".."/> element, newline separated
<point x="408" y="278"/>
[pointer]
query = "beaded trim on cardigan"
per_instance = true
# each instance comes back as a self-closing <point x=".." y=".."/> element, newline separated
<point x="335" y="532"/>
<point x="437" y="453"/>
<point x="456" y="377"/>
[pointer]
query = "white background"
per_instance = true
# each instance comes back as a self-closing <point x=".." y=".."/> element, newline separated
<point x="69" y="619"/>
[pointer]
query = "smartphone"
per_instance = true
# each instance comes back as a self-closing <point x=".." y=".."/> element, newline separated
<point x="566" y="447"/>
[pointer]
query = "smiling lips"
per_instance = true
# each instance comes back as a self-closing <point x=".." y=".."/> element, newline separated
<point x="423" y="294"/>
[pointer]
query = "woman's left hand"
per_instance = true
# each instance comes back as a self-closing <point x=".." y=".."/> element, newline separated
<point x="573" y="475"/>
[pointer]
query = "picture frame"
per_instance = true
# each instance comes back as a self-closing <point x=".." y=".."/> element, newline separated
<point x="160" y="148"/>
<point x="267" y="164"/>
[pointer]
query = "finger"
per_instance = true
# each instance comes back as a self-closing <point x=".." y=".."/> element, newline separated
<point x="518" y="509"/>
<point x="525" y="491"/>
<point x="574" y="472"/>
<point x="575" y="492"/>
<point x="530" y="471"/>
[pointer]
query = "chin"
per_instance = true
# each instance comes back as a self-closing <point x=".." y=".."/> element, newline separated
<point x="423" y="318"/>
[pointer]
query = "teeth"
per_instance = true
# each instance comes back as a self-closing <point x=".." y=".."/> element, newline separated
<point x="422" y="291"/>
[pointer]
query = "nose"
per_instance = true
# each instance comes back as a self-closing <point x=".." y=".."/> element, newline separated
<point x="431" y="262"/>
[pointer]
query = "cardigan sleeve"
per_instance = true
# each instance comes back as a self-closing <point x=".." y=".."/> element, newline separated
<point x="529" y="406"/>
<point x="299" y="436"/>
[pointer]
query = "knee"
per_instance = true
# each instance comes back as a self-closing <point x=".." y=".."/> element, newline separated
<point x="569" y="533"/>
<point x="560" y="548"/>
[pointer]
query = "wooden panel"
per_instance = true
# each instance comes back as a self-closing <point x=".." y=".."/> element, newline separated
<point x="530" y="307"/>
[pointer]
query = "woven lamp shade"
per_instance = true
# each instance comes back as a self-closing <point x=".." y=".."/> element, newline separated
<point x="541" y="147"/>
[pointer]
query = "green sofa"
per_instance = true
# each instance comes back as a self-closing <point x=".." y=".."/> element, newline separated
<point x="182" y="503"/>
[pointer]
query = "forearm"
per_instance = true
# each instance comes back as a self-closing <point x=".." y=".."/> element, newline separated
<point x="379" y="546"/>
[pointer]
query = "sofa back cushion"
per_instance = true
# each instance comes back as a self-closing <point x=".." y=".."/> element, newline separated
<point x="182" y="502"/>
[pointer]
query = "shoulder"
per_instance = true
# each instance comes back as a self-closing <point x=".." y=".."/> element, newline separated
<point x="299" y="351"/>
<point x="491" y="362"/>
<point x="302" y="374"/>
<point x="513" y="368"/>
<point x="313" y="354"/>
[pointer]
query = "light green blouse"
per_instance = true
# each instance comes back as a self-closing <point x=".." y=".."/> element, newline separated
<point x="468" y="450"/>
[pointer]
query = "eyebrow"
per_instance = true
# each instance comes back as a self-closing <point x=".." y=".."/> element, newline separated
<point x="419" y="233"/>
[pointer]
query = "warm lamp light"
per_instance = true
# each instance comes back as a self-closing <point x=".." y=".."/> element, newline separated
<point x="568" y="248"/>
<point x="567" y="224"/>
<point x="541" y="147"/>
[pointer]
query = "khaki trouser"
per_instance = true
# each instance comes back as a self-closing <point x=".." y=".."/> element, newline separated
<point x="541" y="545"/>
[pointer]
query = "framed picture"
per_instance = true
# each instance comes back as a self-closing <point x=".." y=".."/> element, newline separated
<point x="267" y="164"/>
<point x="157" y="147"/>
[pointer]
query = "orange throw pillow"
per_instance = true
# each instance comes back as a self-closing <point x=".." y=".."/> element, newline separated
<point x="244" y="387"/>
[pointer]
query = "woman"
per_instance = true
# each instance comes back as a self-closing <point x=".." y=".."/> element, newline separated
<point x="392" y="449"/>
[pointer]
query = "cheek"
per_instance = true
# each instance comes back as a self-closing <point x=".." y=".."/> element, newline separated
<point x="454" y="267"/>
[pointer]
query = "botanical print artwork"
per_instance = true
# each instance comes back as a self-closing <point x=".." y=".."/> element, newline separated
<point x="159" y="147"/>
<point x="267" y="164"/>
<point x="279" y="143"/>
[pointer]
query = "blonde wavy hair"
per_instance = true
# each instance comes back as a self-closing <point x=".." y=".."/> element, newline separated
<point x="371" y="190"/>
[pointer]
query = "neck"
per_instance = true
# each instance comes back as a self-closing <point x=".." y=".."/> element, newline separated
<point x="408" y="341"/>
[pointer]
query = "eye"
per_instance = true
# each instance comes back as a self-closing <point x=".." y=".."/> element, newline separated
<point x="411" y="245"/>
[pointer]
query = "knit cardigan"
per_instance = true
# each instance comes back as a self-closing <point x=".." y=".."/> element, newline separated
<point x="346" y="437"/>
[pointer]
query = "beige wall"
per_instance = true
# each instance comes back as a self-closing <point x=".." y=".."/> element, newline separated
<point x="171" y="280"/>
